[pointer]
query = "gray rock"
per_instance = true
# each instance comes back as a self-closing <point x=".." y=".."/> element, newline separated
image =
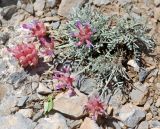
<point x="26" y="112"/>
<point x="131" y="115"/>
<point x="16" y="122"/>
<point x="53" y="12"/>
<point x="17" y="78"/>
<point x="38" y="115"/>
<point x="154" y="124"/>
<point x="3" y="68"/>
<point x="34" y="86"/>
<point x="7" y="104"/>
<point x="29" y="8"/>
<point x="37" y="106"/>
<point x="74" y="124"/>
<point x="8" y="12"/>
<point x="158" y="102"/>
<point x="21" y="101"/>
<point x="4" y="3"/>
<point x="87" y="85"/>
<point x="55" y="25"/>
<point x="66" y="6"/>
<point x="101" y="2"/>
<point x="143" y="73"/>
<point x="4" y="37"/>
<point x="39" y="5"/>
<point x="157" y="2"/>
<point x="143" y="125"/>
<point x="116" y="100"/>
<point x="50" y="3"/>
<point x="73" y="106"/>
<point x="154" y="110"/>
<point x="124" y="2"/>
<point x="43" y="90"/>
<point x="89" y="124"/>
<point x="57" y="121"/>
<point x="139" y="94"/>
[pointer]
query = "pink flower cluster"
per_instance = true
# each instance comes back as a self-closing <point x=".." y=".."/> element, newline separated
<point x="38" y="30"/>
<point x="26" y="54"/>
<point x="65" y="81"/>
<point x="84" y="34"/>
<point x="95" y="107"/>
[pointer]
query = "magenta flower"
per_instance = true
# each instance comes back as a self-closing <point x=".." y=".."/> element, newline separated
<point x="47" y="44"/>
<point x="95" y="107"/>
<point x="65" y="81"/>
<point x="36" y="27"/>
<point x="26" y="54"/>
<point x="84" y="34"/>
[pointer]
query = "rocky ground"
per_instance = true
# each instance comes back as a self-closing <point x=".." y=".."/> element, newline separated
<point x="22" y="94"/>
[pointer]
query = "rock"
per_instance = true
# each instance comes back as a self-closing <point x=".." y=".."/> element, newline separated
<point x="157" y="2"/>
<point x="139" y="94"/>
<point x="131" y="115"/>
<point x="89" y="124"/>
<point x="38" y="115"/>
<point x="21" y="101"/>
<point x="158" y="102"/>
<point x="16" y="122"/>
<point x="17" y="78"/>
<point x="124" y="2"/>
<point x="4" y="37"/>
<point x="87" y="85"/>
<point x="43" y="90"/>
<point x="37" y="106"/>
<point x="154" y="124"/>
<point x="39" y="13"/>
<point x="101" y="2"/>
<point x="26" y="112"/>
<point x="29" y="8"/>
<point x="73" y="106"/>
<point x="148" y="104"/>
<point x="34" y="85"/>
<point x="55" y="25"/>
<point x="3" y="68"/>
<point x="74" y="124"/>
<point x="8" y="12"/>
<point x="50" y="3"/>
<point x="57" y="121"/>
<point x="66" y="6"/>
<point x="149" y="116"/>
<point x="39" y="5"/>
<point x="134" y="65"/>
<point x="53" y="18"/>
<point x="7" y="104"/>
<point x="143" y="73"/>
<point x="157" y="14"/>
<point x="3" y="91"/>
<point x="4" y="3"/>
<point x="116" y="100"/>
<point x="53" y="12"/>
<point x="143" y="125"/>
<point x="154" y="110"/>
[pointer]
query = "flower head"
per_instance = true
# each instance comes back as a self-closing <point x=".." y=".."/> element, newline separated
<point x="95" y="107"/>
<point x="84" y="34"/>
<point x="36" y="27"/>
<point x="65" y="81"/>
<point x="47" y="44"/>
<point x="26" y="54"/>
